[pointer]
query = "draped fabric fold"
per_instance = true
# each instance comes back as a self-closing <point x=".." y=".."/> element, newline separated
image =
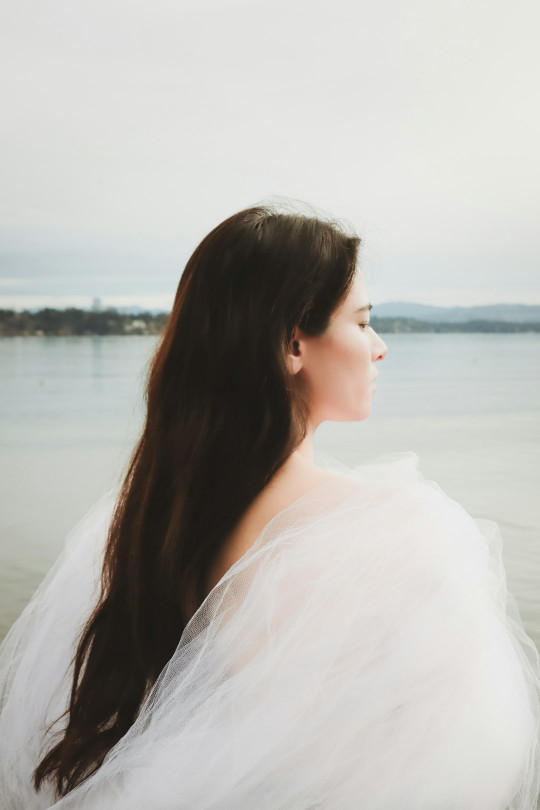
<point x="363" y="653"/>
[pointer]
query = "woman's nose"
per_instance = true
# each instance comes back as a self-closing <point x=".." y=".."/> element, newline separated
<point x="379" y="349"/>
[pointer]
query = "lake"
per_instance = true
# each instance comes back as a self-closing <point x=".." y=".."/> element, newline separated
<point x="467" y="404"/>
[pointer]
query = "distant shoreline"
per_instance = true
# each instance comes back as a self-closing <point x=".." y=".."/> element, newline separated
<point x="87" y="323"/>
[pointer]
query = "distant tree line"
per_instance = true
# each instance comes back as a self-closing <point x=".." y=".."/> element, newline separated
<point x="66" y="322"/>
<point x="401" y="325"/>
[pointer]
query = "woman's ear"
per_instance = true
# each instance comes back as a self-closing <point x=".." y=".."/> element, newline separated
<point x="294" y="356"/>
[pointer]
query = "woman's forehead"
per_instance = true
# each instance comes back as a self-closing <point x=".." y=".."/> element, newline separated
<point x="357" y="298"/>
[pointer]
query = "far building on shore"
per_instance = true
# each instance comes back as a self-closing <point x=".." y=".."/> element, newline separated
<point x="96" y="305"/>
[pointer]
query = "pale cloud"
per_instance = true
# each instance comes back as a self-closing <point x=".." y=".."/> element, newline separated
<point x="134" y="128"/>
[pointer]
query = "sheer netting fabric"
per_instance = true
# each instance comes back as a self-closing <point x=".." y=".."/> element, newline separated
<point x="365" y="652"/>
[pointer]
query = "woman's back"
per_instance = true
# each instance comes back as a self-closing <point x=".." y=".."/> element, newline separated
<point x="293" y="480"/>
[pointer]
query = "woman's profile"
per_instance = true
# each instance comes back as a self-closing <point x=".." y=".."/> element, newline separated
<point x="240" y="627"/>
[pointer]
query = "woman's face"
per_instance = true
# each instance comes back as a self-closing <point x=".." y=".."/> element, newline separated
<point x="337" y="368"/>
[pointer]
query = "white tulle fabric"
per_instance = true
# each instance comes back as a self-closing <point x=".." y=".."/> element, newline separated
<point x="364" y="653"/>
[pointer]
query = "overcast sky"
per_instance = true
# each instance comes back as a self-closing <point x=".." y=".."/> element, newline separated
<point x="131" y="129"/>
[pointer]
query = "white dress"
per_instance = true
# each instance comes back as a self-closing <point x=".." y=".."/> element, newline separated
<point x="364" y="653"/>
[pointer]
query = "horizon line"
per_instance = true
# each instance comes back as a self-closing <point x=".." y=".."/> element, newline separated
<point x="98" y="304"/>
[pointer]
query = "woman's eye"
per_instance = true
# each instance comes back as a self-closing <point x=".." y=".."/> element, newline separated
<point x="363" y="325"/>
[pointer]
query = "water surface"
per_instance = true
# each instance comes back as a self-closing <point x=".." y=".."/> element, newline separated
<point x="467" y="404"/>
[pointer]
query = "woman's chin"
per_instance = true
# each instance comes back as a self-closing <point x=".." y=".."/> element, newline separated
<point x="365" y="410"/>
<point x="352" y="411"/>
<point x="356" y="415"/>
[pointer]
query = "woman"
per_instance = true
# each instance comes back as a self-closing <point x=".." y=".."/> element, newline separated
<point x="251" y="630"/>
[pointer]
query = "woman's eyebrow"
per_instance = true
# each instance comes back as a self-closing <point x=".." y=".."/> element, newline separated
<point x="366" y="306"/>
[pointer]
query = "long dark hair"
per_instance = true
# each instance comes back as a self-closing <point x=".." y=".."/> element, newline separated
<point x="223" y="414"/>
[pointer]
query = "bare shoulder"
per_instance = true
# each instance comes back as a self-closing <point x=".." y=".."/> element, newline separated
<point x="287" y="486"/>
<point x="290" y="484"/>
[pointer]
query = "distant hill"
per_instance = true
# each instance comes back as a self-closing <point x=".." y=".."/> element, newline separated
<point x="512" y="313"/>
